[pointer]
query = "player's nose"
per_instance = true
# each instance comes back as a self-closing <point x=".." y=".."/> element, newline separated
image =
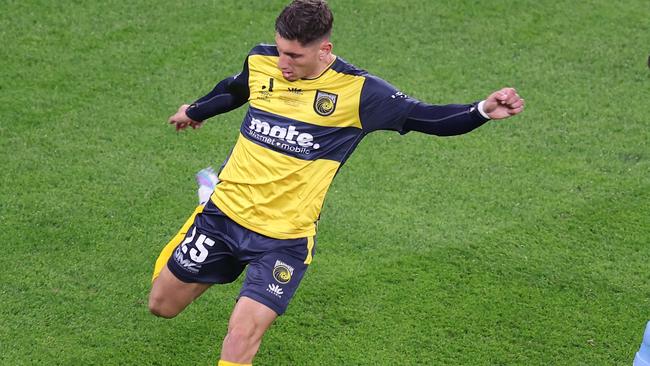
<point x="283" y="62"/>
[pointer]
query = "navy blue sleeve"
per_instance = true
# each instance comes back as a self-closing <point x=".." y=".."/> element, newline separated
<point x="228" y="94"/>
<point x="444" y="120"/>
<point x="382" y="106"/>
<point x="221" y="88"/>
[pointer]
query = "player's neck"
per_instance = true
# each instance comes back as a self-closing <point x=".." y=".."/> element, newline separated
<point x="323" y="65"/>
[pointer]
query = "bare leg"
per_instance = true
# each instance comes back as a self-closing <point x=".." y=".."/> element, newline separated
<point x="169" y="295"/>
<point x="248" y="322"/>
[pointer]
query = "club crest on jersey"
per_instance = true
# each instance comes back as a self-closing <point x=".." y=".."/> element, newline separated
<point x="282" y="272"/>
<point x="325" y="103"/>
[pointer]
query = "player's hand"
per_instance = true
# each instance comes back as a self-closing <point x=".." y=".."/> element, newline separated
<point x="503" y="104"/>
<point x="182" y="121"/>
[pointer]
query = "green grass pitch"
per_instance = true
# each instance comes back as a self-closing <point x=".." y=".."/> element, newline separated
<point x="525" y="242"/>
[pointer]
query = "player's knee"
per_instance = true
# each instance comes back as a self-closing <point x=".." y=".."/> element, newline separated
<point x="158" y="307"/>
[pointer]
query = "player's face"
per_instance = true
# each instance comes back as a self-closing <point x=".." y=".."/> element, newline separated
<point x="297" y="61"/>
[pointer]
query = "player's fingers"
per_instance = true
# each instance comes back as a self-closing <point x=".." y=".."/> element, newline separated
<point x="181" y="125"/>
<point x="514" y="111"/>
<point x="175" y="118"/>
<point x="501" y="95"/>
<point x="505" y="94"/>
<point x="516" y="103"/>
<point x="511" y="91"/>
<point x="513" y="98"/>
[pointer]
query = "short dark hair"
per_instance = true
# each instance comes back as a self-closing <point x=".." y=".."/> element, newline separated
<point x="305" y="21"/>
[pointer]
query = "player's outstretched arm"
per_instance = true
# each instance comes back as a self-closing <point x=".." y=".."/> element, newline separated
<point x="182" y="121"/>
<point x="227" y="95"/>
<point x="383" y="107"/>
<point x="230" y="93"/>
<point x="503" y="103"/>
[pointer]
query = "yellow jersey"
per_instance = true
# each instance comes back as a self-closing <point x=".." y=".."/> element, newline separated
<point x="295" y="137"/>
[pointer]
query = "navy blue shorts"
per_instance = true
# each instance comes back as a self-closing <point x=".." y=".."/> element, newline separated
<point x="216" y="250"/>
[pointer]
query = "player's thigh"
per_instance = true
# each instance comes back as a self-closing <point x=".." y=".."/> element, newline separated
<point x="198" y="261"/>
<point x="169" y="295"/>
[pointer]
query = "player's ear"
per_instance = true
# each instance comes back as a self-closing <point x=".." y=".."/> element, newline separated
<point x="325" y="48"/>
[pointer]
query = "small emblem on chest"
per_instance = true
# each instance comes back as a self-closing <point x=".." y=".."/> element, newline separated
<point x="325" y="103"/>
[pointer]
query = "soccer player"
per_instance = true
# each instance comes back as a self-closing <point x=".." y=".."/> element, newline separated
<point x="308" y="109"/>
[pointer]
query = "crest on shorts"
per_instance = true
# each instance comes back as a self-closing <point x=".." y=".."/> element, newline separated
<point x="325" y="103"/>
<point x="282" y="272"/>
